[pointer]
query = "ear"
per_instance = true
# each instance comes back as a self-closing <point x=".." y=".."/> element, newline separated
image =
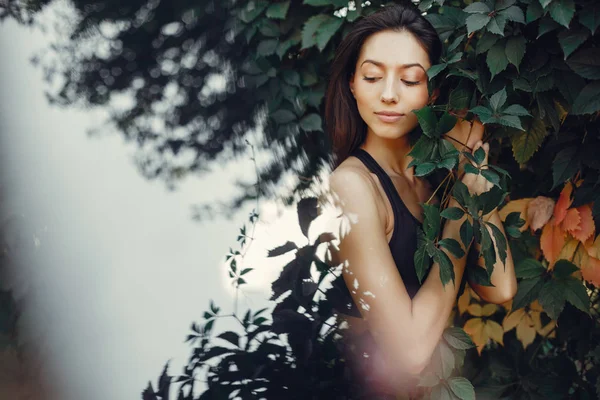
<point x="351" y="84"/>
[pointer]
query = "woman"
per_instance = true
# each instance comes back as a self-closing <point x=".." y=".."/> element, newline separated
<point x="377" y="78"/>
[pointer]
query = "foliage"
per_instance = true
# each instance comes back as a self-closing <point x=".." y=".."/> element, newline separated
<point x="527" y="69"/>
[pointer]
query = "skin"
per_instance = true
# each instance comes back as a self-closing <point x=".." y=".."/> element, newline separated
<point x="396" y="84"/>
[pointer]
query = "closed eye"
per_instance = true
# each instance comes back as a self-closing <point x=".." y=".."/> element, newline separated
<point x="411" y="83"/>
<point x="369" y="79"/>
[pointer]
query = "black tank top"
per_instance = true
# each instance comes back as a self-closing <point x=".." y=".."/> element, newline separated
<point x="403" y="243"/>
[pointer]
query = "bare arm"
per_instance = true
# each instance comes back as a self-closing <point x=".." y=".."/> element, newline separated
<point x="503" y="278"/>
<point x="407" y="329"/>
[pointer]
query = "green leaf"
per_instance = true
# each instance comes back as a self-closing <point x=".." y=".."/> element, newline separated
<point x="564" y="166"/>
<point x="466" y="233"/>
<point x="448" y="163"/>
<point x="424" y="169"/>
<point x="529" y="268"/>
<point x="470" y="169"/>
<point x="446" y="148"/>
<point x="526" y="143"/>
<point x="309" y="30"/>
<point x="458" y="338"/>
<point x="588" y="101"/>
<point x="312" y="122"/>
<point x="534" y="11"/>
<point x="513" y="13"/>
<point x="571" y="39"/>
<point x="491" y="176"/>
<point x="453" y="213"/>
<point x="291" y="77"/>
<point x="482" y="112"/>
<point x="427" y="120"/>
<point x="501" y="243"/>
<point x="486" y="42"/>
<point x="497" y="100"/>
<point x="422" y="261"/>
<point x="446" y="123"/>
<point x="278" y="10"/>
<point x="454" y="45"/>
<point x="591" y="17"/>
<point x="586" y="62"/>
<point x="576" y="294"/>
<point x="564" y="269"/>
<point x="423" y="148"/>
<point x="477" y="21"/>
<point x="491" y="199"/>
<point x="512" y="121"/>
<point x="516" y="109"/>
<point x="446" y="266"/>
<point x="497" y="24"/>
<point x="431" y="224"/>
<point x="477" y="8"/>
<point x="231" y="337"/>
<point x="528" y="291"/>
<point x="499" y="170"/>
<point x="515" y="50"/>
<point x="487" y="249"/>
<point x="545" y="3"/>
<point x="479" y="155"/>
<point x="436" y="69"/>
<point x="452" y="246"/>
<point x="267" y="47"/>
<point x="269" y="28"/>
<point x="496" y="59"/>
<point x="252" y="11"/>
<point x="462" y="388"/>
<point x="283" y="116"/>
<point x="552" y="298"/>
<point x="326" y="31"/>
<point x="514" y="219"/>
<point x="461" y="194"/>
<point x="562" y="11"/>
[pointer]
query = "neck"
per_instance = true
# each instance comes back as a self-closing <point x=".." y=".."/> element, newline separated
<point x="391" y="154"/>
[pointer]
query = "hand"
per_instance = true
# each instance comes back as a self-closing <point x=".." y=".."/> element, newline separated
<point x="465" y="133"/>
<point x="477" y="184"/>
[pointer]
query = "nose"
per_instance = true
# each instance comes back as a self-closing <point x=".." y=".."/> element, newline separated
<point x="389" y="94"/>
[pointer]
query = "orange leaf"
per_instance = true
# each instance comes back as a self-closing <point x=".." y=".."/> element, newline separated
<point x="568" y="250"/>
<point x="489" y="309"/>
<point x="539" y="211"/>
<point x="525" y="333"/>
<point x="513" y="319"/>
<point x="590" y="270"/>
<point x="520" y="206"/>
<point x="563" y="203"/>
<point x="572" y="220"/>
<point x="593" y="247"/>
<point x="586" y="228"/>
<point x="475" y="310"/>
<point x="494" y="331"/>
<point x="474" y="327"/>
<point x="463" y="301"/>
<point x="552" y="241"/>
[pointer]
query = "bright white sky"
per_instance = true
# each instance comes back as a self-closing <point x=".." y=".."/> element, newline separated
<point x="122" y="269"/>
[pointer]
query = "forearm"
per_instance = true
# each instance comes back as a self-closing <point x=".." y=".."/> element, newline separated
<point x="503" y="277"/>
<point x="433" y="303"/>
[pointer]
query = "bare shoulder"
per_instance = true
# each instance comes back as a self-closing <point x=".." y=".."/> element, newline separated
<point x="356" y="191"/>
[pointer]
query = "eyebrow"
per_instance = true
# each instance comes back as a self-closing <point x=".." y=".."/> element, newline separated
<point x="402" y="66"/>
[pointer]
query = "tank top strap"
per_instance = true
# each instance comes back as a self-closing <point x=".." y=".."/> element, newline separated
<point x="386" y="182"/>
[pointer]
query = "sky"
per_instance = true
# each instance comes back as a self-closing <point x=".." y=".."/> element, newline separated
<point x="121" y="269"/>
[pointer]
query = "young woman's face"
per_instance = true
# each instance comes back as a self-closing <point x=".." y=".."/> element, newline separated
<point x="390" y="77"/>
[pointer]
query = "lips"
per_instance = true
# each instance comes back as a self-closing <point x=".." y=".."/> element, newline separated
<point x="389" y="113"/>
<point x="389" y="116"/>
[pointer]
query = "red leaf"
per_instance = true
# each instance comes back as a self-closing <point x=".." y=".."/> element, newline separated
<point x="552" y="241"/>
<point x="572" y="220"/>
<point x="563" y="203"/>
<point x="586" y="227"/>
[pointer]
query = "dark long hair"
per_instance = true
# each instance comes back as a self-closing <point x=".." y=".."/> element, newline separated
<point x="344" y="125"/>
